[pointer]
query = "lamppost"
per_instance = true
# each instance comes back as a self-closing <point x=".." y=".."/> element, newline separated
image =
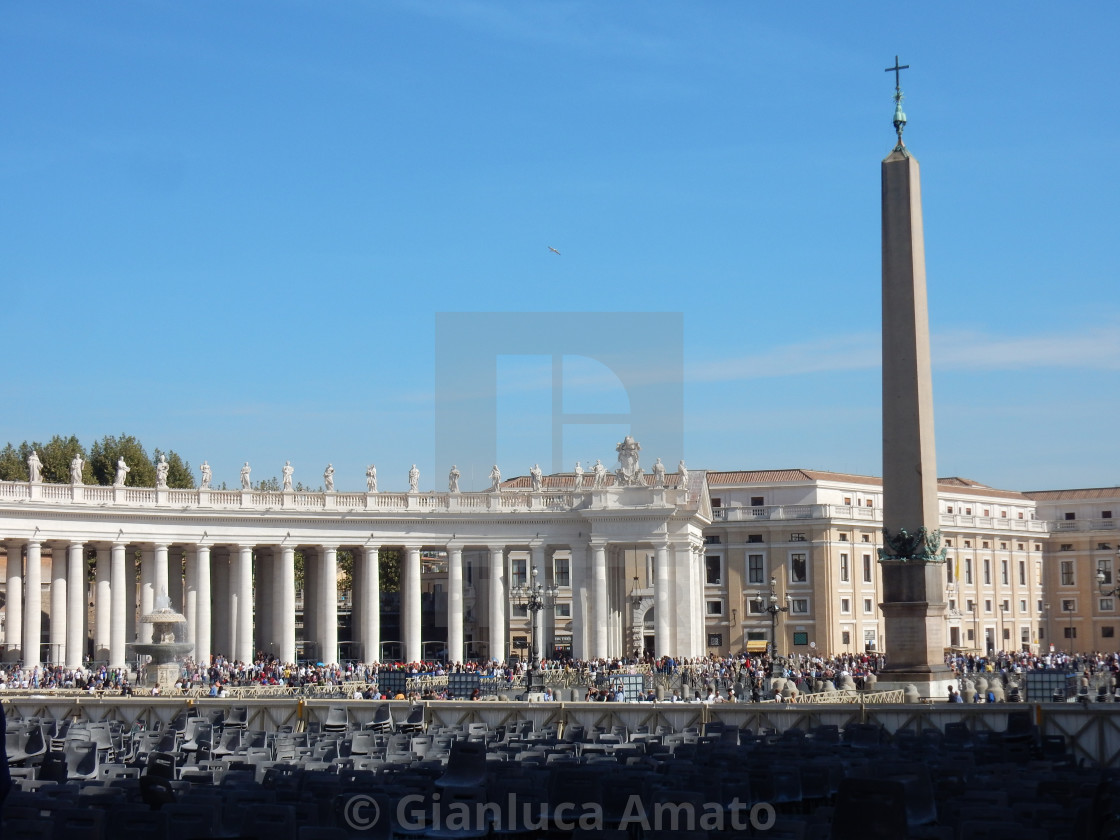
<point x="534" y="597"/>
<point x="1068" y="607"/>
<point x="770" y="604"/>
<point x="1049" y="631"/>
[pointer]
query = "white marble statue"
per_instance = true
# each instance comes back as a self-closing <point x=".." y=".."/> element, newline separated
<point x="658" y="473"/>
<point x="162" y="469"/>
<point x="414" y="480"/>
<point x="453" y="479"/>
<point x="328" y="478"/>
<point x="34" y="467"/>
<point x="600" y="474"/>
<point x="207" y="476"/>
<point x="682" y="474"/>
<point x="495" y="480"/>
<point x="76" y="470"/>
<point x="371" y="478"/>
<point x="629" y="472"/>
<point x="122" y="471"/>
<point x="287" y="472"/>
<point x="536" y="479"/>
<point x="245" y="483"/>
<point x="579" y="477"/>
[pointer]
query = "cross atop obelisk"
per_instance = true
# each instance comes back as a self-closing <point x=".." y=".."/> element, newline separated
<point x="912" y="558"/>
<point x="899" y="116"/>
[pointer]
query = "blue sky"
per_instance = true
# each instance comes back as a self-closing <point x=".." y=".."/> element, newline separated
<point x="227" y="228"/>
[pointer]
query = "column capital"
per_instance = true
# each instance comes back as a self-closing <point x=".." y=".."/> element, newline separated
<point x="455" y="546"/>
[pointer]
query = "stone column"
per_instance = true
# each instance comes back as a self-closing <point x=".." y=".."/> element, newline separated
<point x="77" y="606"/>
<point x="118" y="606"/>
<point x="410" y="606"/>
<point x="285" y="604"/>
<point x="203" y="615"/>
<point x="241" y="612"/>
<point x="581" y="619"/>
<point x="57" y="637"/>
<point x="370" y="631"/>
<point x="220" y="642"/>
<point x="176" y="592"/>
<point x="13" y="629"/>
<point x="160" y="588"/>
<point x="190" y="592"/>
<point x="498" y="600"/>
<point x="661" y="593"/>
<point x="455" y="603"/>
<point x="102" y="604"/>
<point x="311" y="629"/>
<point x="600" y="618"/>
<point x="264" y="584"/>
<point x="33" y="606"/>
<point x="328" y="603"/>
<point x="147" y="591"/>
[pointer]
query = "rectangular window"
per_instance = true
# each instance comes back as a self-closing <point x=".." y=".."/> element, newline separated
<point x="755" y="607"/>
<point x="845" y="637"/>
<point x="1003" y="546"/>
<point x="756" y="501"/>
<point x="968" y="543"/>
<point x="754" y="538"/>
<point x="987" y="572"/>
<point x="801" y="638"/>
<point x="1065" y="547"/>
<point x="869" y="503"/>
<point x="563" y="610"/>
<point x="867" y="568"/>
<point x="799" y="606"/>
<point x="714" y="578"/>
<point x="517" y="572"/>
<point x="1107" y="632"/>
<point x="798" y="568"/>
<point x="1007" y="634"/>
<point x="715" y="539"/>
<point x="866" y="538"/>
<point x="715" y="607"/>
<point x="1104" y="567"/>
<point x="1067" y="572"/>
<point x="844" y="570"/>
<point x="1023" y="605"/>
<point x="1106" y="605"/>
<point x="845" y="605"/>
<point x="715" y="640"/>
<point x="797" y="537"/>
<point x="868" y="606"/>
<point x="949" y="573"/>
<point x="1069" y="605"/>
<point x="716" y="503"/>
<point x="987" y="605"/>
<point x="1003" y="572"/>
<point x="1022" y="572"/>
<point x="1005" y="605"/>
<point x="843" y="538"/>
<point x="848" y="500"/>
<point x="1104" y="547"/>
<point x="1070" y="517"/>
<point x="519" y="611"/>
<point x="971" y="606"/>
<point x="984" y="544"/>
<point x="952" y="605"/>
<point x="562" y="571"/>
<point x="1106" y="514"/>
<point x="1069" y="632"/>
<point x="755" y="569"/>
<point x="968" y="570"/>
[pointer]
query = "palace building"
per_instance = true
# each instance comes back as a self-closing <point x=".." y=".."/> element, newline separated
<point x="681" y="564"/>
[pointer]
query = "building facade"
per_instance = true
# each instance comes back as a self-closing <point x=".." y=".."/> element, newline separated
<point x="707" y="563"/>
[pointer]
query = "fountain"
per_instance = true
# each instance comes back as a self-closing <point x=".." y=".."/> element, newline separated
<point x="164" y="649"/>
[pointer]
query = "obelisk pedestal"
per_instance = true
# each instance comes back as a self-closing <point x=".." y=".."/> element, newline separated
<point x="912" y="559"/>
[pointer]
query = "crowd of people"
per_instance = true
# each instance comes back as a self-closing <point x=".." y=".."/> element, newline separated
<point x="711" y="679"/>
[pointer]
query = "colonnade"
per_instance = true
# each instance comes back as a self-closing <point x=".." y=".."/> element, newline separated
<point x="240" y="597"/>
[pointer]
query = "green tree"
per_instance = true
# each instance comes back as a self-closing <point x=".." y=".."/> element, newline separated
<point x="267" y="485"/>
<point x="179" y="475"/>
<point x="389" y="570"/>
<point x="103" y="456"/>
<point x="345" y="570"/>
<point x="13" y="464"/>
<point x="56" y="456"/>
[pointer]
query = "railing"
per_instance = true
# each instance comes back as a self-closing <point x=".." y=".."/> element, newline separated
<point x="894" y="695"/>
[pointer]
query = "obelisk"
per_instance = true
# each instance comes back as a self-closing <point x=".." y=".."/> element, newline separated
<point x="912" y="557"/>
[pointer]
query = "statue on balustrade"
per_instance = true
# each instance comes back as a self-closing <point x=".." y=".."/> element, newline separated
<point x="245" y="483"/>
<point x="122" y="471"/>
<point x="414" y="480"/>
<point x="76" y="470"/>
<point x="371" y="478"/>
<point x="536" y="479"/>
<point x="287" y="472"/>
<point x="34" y="467"/>
<point x="162" y="469"/>
<point x="453" y="479"/>
<point x="495" y="480"/>
<point x="629" y="472"/>
<point x="658" y="473"/>
<point x="579" y="477"/>
<point x="207" y="476"/>
<point x="682" y="475"/>
<point x="328" y="478"/>
<point x="600" y="475"/>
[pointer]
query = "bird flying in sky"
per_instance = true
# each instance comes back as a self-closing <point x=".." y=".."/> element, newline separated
<point x="553" y="250"/>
